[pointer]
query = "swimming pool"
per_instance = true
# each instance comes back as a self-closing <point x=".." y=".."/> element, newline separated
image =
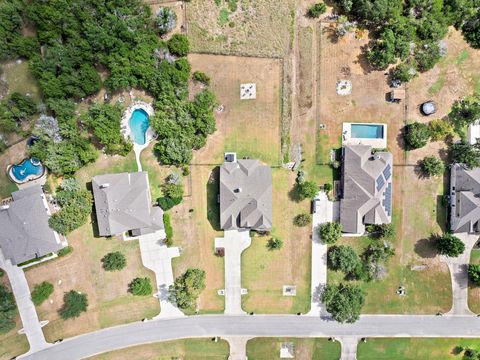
<point x="366" y="131"/>
<point x="28" y="169"/>
<point x="139" y="124"/>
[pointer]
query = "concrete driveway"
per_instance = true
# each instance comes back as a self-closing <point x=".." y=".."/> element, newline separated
<point x="157" y="257"/>
<point x="234" y="242"/>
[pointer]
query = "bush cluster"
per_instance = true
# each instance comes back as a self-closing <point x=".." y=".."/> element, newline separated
<point x="187" y="287"/>
<point x="41" y="292"/>
<point x="74" y="303"/>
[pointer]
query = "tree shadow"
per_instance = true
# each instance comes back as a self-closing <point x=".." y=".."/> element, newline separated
<point x="401" y="139"/>
<point x="362" y="60"/>
<point x="442" y="212"/>
<point x="425" y="248"/>
<point x="213" y="206"/>
<point x="93" y="214"/>
<point x="294" y="194"/>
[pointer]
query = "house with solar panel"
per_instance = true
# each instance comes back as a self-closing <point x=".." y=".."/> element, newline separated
<point x="366" y="188"/>
<point x="464" y="199"/>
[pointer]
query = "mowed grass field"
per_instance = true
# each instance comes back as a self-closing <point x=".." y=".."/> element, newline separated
<point x="313" y="349"/>
<point x="198" y="349"/>
<point x="109" y="302"/>
<point x="413" y="348"/>
<point x="474" y="290"/>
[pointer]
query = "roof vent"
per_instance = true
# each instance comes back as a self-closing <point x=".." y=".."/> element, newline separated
<point x="104" y="186"/>
<point x="237" y="190"/>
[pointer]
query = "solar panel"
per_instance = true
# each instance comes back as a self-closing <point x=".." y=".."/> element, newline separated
<point x="380" y="182"/>
<point x="387" y="202"/>
<point x="387" y="172"/>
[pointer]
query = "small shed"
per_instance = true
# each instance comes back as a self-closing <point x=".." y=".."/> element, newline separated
<point x="396" y="95"/>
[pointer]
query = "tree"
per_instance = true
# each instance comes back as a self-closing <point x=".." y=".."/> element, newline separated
<point x="74" y="303"/>
<point x="41" y="292"/>
<point x="201" y="77"/>
<point x="387" y="231"/>
<point x="471" y="30"/>
<point x="440" y="129"/>
<point x="302" y="219"/>
<point x="449" y="245"/>
<point x="474" y="273"/>
<point x="274" y="243"/>
<point x="416" y="135"/>
<point x="316" y="10"/>
<point x="343" y="258"/>
<point x="382" y="52"/>
<point x="330" y="232"/>
<point x="166" y="20"/>
<point x="187" y="287"/>
<point x="114" y="261"/>
<point x="465" y="111"/>
<point x="179" y="45"/>
<point x="427" y="55"/>
<point x="466" y="154"/>
<point x="377" y="12"/>
<point x="307" y="190"/>
<point x="432" y="166"/>
<point x="140" y="286"/>
<point x="172" y="196"/>
<point x="403" y="72"/>
<point x="344" y="302"/>
<point x="7" y="310"/>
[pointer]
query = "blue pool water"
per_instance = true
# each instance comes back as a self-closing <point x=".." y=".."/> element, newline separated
<point x="367" y="131"/>
<point x="139" y="124"/>
<point x="26" y="168"/>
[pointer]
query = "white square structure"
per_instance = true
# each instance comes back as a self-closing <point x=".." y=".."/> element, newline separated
<point x="248" y="91"/>
<point x="287" y="351"/>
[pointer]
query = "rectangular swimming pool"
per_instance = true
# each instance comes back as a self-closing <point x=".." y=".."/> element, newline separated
<point x="366" y="131"/>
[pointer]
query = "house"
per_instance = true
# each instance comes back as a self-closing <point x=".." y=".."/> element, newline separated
<point x="366" y="194"/>
<point x="25" y="233"/>
<point x="123" y="204"/>
<point x="464" y="199"/>
<point x="245" y="194"/>
<point x="473" y="132"/>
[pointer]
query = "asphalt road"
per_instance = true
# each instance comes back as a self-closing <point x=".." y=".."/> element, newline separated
<point x="258" y="325"/>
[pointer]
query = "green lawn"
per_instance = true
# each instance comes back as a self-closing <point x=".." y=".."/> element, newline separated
<point x="315" y="349"/>
<point x="198" y="349"/>
<point x="20" y="79"/>
<point x="474" y="291"/>
<point x="413" y="348"/>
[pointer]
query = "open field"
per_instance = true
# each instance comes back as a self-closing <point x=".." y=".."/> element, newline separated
<point x="12" y="344"/>
<point x="474" y="291"/>
<point x="109" y="302"/>
<point x="264" y="272"/>
<point x="314" y="349"/>
<point x="254" y="28"/>
<point x="194" y="349"/>
<point x="413" y="348"/>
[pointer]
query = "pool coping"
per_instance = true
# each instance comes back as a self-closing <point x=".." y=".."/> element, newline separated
<point x="374" y="143"/>
<point x="29" y="178"/>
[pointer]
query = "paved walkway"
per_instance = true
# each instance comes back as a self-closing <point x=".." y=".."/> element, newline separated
<point x="238" y="347"/>
<point x="157" y="257"/>
<point x="31" y="325"/>
<point x="458" y="272"/>
<point x="349" y="347"/>
<point x="326" y="211"/>
<point x="234" y="242"/>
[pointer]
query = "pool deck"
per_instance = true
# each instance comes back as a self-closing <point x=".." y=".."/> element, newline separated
<point x="374" y="143"/>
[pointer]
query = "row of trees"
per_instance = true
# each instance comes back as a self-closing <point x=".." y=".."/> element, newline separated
<point x="410" y="31"/>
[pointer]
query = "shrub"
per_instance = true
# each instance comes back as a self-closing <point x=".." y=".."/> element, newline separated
<point x="41" y="292"/>
<point x="387" y="231"/>
<point x="7" y="310"/>
<point x="474" y="273"/>
<point x="302" y="219"/>
<point x="173" y="195"/>
<point x="274" y="244"/>
<point x="344" y="302"/>
<point x="416" y="135"/>
<point x="167" y="203"/>
<point x="449" y="245"/>
<point x="140" y="286"/>
<point x="65" y="251"/>
<point x="327" y="187"/>
<point x="74" y="303"/>
<point x="166" y="20"/>
<point x="114" y="261"/>
<point x="403" y="72"/>
<point x="316" y="10"/>
<point x="201" y="77"/>
<point x="168" y="229"/>
<point x="187" y="287"/>
<point x="440" y="129"/>
<point x="185" y="170"/>
<point x="2" y="273"/>
<point x="307" y="190"/>
<point x="330" y="232"/>
<point x="179" y="45"/>
<point x="432" y="166"/>
<point x="343" y="258"/>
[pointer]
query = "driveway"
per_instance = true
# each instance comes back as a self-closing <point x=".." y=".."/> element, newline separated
<point x="234" y="242"/>
<point x="326" y="211"/>
<point x="31" y="325"/>
<point x="157" y="257"/>
<point x="458" y="272"/>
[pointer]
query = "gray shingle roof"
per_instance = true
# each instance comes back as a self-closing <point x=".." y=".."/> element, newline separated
<point x="464" y="199"/>
<point x="245" y="195"/>
<point x="123" y="203"/>
<point x="25" y="233"/>
<point x="366" y="188"/>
